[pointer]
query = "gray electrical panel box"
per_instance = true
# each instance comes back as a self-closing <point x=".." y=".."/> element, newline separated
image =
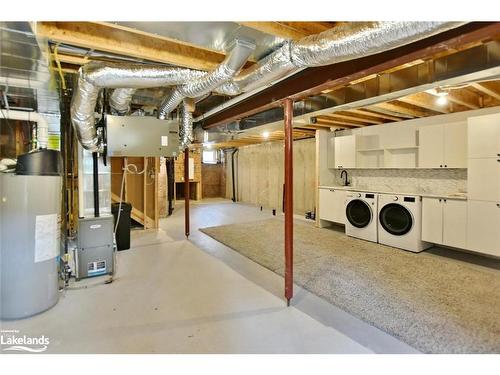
<point x="142" y="136"/>
<point x="94" y="253"/>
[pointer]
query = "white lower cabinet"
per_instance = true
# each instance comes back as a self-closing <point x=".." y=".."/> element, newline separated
<point x="455" y="223"/>
<point x="444" y="221"/>
<point x="432" y="220"/>
<point x="332" y="205"/>
<point x="483" y="227"/>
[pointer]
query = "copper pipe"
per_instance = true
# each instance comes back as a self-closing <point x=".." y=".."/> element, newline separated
<point x="186" y="192"/>
<point x="288" y="195"/>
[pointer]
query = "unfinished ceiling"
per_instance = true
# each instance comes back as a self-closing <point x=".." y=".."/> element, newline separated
<point x="392" y="86"/>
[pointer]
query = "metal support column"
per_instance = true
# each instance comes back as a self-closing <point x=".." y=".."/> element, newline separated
<point x="288" y="195"/>
<point x="186" y="192"/>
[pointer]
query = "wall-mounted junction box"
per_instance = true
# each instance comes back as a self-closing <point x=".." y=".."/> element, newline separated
<point x="142" y="136"/>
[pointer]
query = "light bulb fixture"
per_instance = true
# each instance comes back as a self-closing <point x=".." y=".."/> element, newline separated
<point x="442" y="100"/>
<point x="207" y="145"/>
<point x="265" y="134"/>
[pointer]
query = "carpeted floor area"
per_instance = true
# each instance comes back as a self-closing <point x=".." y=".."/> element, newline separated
<point x="433" y="303"/>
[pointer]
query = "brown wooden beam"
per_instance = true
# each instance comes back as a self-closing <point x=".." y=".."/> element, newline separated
<point x="313" y="81"/>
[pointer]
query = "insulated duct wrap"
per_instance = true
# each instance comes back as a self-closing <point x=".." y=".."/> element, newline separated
<point x="97" y="75"/>
<point x="185" y="126"/>
<point x="120" y="101"/>
<point x="198" y="87"/>
<point x="348" y="41"/>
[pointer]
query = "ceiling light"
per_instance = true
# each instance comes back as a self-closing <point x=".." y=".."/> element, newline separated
<point x="265" y="134"/>
<point x="442" y="100"/>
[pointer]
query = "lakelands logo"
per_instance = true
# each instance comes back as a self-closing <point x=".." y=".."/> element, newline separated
<point x="12" y="340"/>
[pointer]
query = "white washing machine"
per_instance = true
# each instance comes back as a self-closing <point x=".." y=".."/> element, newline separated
<point x="361" y="215"/>
<point x="400" y="222"/>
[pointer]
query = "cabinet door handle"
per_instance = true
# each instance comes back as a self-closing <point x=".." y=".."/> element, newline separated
<point x="445" y="166"/>
<point x="440" y="200"/>
<point x="444" y="200"/>
<point x="498" y="205"/>
<point x="441" y="166"/>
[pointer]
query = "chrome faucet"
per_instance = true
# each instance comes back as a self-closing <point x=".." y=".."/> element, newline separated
<point x="346" y="183"/>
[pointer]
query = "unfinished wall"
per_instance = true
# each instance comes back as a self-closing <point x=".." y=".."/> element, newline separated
<point x="213" y="181"/>
<point x="260" y="172"/>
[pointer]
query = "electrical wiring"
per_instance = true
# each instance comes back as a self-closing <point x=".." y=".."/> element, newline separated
<point x="59" y="69"/>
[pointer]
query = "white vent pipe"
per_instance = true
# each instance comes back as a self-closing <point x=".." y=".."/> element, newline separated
<point x="42" y="124"/>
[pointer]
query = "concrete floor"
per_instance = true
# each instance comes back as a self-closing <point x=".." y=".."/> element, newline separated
<point x="173" y="295"/>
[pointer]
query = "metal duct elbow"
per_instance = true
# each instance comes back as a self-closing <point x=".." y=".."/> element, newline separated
<point x="120" y="101"/>
<point x="97" y="75"/>
<point x="345" y="42"/>
<point x="226" y="70"/>
<point x="185" y="126"/>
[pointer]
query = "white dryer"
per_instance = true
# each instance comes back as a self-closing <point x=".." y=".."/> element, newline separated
<point x="361" y="215"/>
<point x="400" y="222"/>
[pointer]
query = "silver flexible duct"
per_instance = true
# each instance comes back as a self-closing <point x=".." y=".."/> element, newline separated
<point x="346" y="42"/>
<point x="97" y="75"/>
<point x="231" y="65"/>
<point x="185" y="126"/>
<point x="120" y="99"/>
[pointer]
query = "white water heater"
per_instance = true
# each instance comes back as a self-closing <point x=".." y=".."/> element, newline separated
<point x="29" y="238"/>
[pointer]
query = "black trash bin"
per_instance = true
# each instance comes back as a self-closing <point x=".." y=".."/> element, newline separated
<point x="123" y="230"/>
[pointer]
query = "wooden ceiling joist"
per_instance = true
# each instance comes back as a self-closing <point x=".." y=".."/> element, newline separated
<point x="322" y="120"/>
<point x="371" y="112"/>
<point x="112" y="39"/>
<point x="426" y="101"/>
<point x="289" y="30"/>
<point x="358" y="118"/>
<point x="399" y="108"/>
<point x="488" y="89"/>
<point x="464" y="98"/>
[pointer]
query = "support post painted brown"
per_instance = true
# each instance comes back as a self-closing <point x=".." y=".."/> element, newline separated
<point x="186" y="192"/>
<point x="288" y="115"/>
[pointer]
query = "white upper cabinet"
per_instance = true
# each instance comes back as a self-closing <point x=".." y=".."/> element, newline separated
<point x="484" y="136"/>
<point x="345" y="151"/>
<point x="443" y="146"/>
<point x="455" y="145"/>
<point x="483" y="179"/>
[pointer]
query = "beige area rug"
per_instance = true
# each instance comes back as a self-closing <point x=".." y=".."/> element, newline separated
<point x="433" y="303"/>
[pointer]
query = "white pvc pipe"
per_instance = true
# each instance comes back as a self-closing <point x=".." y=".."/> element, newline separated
<point x="42" y="124"/>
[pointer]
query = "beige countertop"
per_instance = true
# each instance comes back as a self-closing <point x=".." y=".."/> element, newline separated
<point x="458" y="196"/>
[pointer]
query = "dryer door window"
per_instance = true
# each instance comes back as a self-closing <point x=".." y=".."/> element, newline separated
<point x="395" y="219"/>
<point x="358" y="213"/>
